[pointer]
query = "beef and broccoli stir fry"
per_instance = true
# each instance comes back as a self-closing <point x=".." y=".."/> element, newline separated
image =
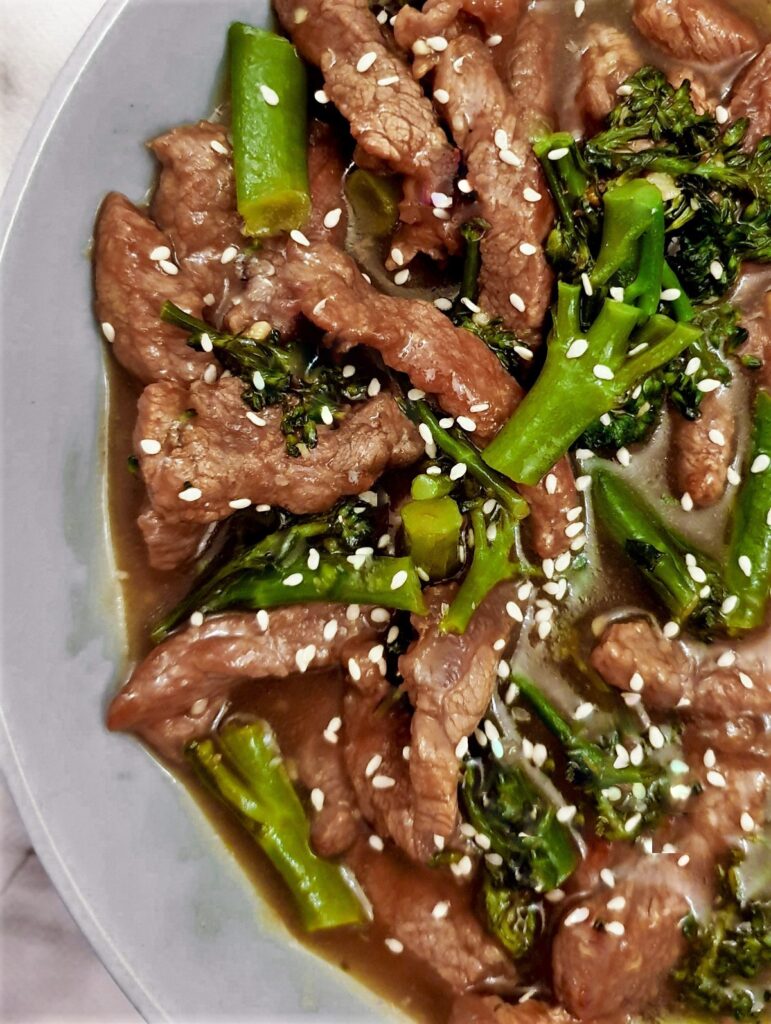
<point x="446" y="348"/>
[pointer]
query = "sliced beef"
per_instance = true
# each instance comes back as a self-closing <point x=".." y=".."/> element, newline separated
<point x="412" y="337"/>
<point x="600" y="974"/>
<point x="376" y="731"/>
<point x="758" y="343"/>
<point x="169" y="543"/>
<point x="707" y="31"/>
<point x="688" y="676"/>
<point x="266" y="295"/>
<point x="203" y="663"/>
<point x="450" y="679"/>
<point x="195" y="203"/>
<point x="207" y="442"/>
<point x="130" y="290"/>
<point x="513" y="286"/>
<point x="168" y="737"/>
<point x="702" y="450"/>
<point x="394" y="123"/>
<point x="550" y="501"/>
<point x="474" y="1009"/>
<point x="751" y="97"/>
<point x="320" y="765"/>
<point x="609" y="59"/>
<point x="455" y="947"/>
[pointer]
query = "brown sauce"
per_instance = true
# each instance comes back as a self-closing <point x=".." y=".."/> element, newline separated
<point x="301" y="705"/>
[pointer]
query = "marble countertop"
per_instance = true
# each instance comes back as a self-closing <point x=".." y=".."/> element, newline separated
<point x="48" y="971"/>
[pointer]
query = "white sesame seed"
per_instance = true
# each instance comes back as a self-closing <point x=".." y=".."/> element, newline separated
<point x="402" y="276"/>
<point x="437" y="43"/>
<point x="443" y="304"/>
<point x="332" y="219"/>
<point x="240" y="503"/>
<point x="544" y="628"/>
<point x="747" y="822"/>
<point x="617" y="903"/>
<point x="714" y="778"/>
<point x="462" y="747"/>
<point x="579" y="7"/>
<point x="686" y="502"/>
<point x="394" y="945"/>
<point x="656" y="737"/>
<point x="263" y="619"/>
<point x="746" y="681"/>
<point x="550" y="483"/>
<point x="716" y="437"/>
<point x="566" y="813"/>
<point x="108" y="331"/>
<point x="721" y="114"/>
<point x="760" y="463"/>
<point x="602" y="372"/>
<point x="670" y="630"/>
<point x="457" y="471"/>
<point x="709" y="758"/>
<point x="365" y="62"/>
<point x="305" y="656"/>
<point x="670" y="294"/>
<point x="494" y="40"/>
<point x="745" y="564"/>
<point x="680" y="791"/>
<point x="631" y="823"/>
<point x="607" y="876"/>
<point x="587" y="286"/>
<point x="441" y="96"/>
<point x="616" y="293"/>
<point x="383" y="782"/>
<point x="442" y="200"/>
<point x="196" y="619"/>
<point x="252" y="416"/>
<point x="623" y="456"/>
<point x="517" y="302"/>
<point x="555" y="896"/>
<point x="583" y="483"/>
<point x="509" y="157"/>
<point x="528" y="249"/>
<point x="399" y="579"/>
<point x="726" y="659"/>
<point x="299" y="237"/>
<point x="464" y="185"/>
<point x="190" y="494"/>
<point x="729" y="604"/>
<point x="733" y="477"/>
<point x="160" y="252"/>
<point x="320" y="96"/>
<point x="707" y="385"/>
<point x="573" y="530"/>
<point x="716" y="268"/>
<point x="577" y="348"/>
<point x="583" y="711"/>
<point x="558" y="154"/>
<point x="293" y="580"/>
<point x="419" y="48"/>
<point x="615" y="928"/>
<point x="440" y="910"/>
<point x="168" y="267"/>
<point x="317" y="798"/>
<point x="692" y="365"/>
<point x="372" y="765"/>
<point x="150" y="446"/>
<point x="218" y="147"/>
<point x="373" y="388"/>
<point x="531" y="195"/>
<point x="501" y="139"/>
<point x="354" y="671"/>
<point x="269" y="95"/>
<point x="577" y="916"/>
<point x="466" y="424"/>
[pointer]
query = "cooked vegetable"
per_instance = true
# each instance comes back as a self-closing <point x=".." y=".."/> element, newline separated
<point x="374" y="200"/>
<point x="243" y="766"/>
<point x="268" y="124"/>
<point x="728" y="950"/>
<point x="748" y="561"/>
<point x="687" y="580"/>
<point x="432" y="530"/>
<point x="586" y="374"/>
<point x="290" y="374"/>
<point x="323" y="558"/>
<point x="626" y="796"/>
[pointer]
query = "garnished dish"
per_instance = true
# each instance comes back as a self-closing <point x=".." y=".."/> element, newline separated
<point x="440" y="472"/>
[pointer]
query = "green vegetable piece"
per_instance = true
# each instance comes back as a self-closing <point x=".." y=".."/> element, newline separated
<point x="244" y="768"/>
<point x="513" y="916"/>
<point x="424" y="486"/>
<point x="473" y="231"/>
<point x="268" y="123"/>
<point x="432" y="529"/>
<point x="748" y="566"/>
<point x="571" y="391"/>
<point x="374" y="200"/>
<point x="574" y="190"/>
<point x="660" y="554"/>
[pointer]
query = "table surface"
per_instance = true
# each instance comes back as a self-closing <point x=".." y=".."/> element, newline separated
<point x="49" y="971"/>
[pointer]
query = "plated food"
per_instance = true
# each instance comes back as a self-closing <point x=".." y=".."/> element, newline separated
<point x="446" y="507"/>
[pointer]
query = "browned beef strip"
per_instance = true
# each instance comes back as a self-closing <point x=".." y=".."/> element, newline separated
<point x="170" y="544"/>
<point x="550" y="501"/>
<point x="707" y="31"/>
<point x="751" y="97"/>
<point x="204" y="662"/>
<point x="598" y="974"/>
<point x="674" y="672"/>
<point x="450" y="679"/>
<point x="168" y="737"/>
<point x="195" y="203"/>
<point x="337" y="826"/>
<point x="395" y="123"/>
<point x="412" y="336"/>
<point x="455" y="947"/>
<point x="227" y="456"/>
<point x="699" y="461"/>
<point x="376" y="728"/>
<point x="130" y="290"/>
<point x="758" y="343"/>
<point x="266" y="295"/>
<point x="474" y="1009"/>
<point x="478" y="107"/>
<point x="609" y="59"/>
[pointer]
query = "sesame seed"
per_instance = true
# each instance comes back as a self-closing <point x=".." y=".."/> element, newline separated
<point x="573" y="530"/>
<point x="760" y="463"/>
<point x="305" y="656"/>
<point x="509" y="157"/>
<point x="168" y="267"/>
<point x="229" y="255"/>
<point x="494" y="40"/>
<point x="365" y="62"/>
<point x="623" y="456"/>
<point x="263" y="619"/>
<point x="579" y="7"/>
<point x="550" y="483"/>
<point x="587" y="286"/>
<point x="218" y="147"/>
<point x="190" y="494"/>
<point x="399" y="579"/>
<point x="150" y="446"/>
<point x="615" y="928"/>
<point x="299" y="237"/>
<point x="441" y="199"/>
<point x="616" y="293"/>
<point x="332" y="219"/>
<point x="716" y="437"/>
<point x="443" y="304"/>
<point x="441" y="96"/>
<point x="501" y="139"/>
<point x="558" y="154"/>
<point x="402" y="276"/>
<point x="240" y="503"/>
<point x="566" y="813"/>
<point x="479" y="407"/>
<point x="747" y="822"/>
<point x="437" y="43"/>
<point x="631" y="823"/>
<point x="517" y="302"/>
<point x="457" y="471"/>
<point x="656" y="737"/>
<point x="670" y="630"/>
<point x="729" y="604"/>
<point x="373" y="388"/>
<point x="354" y="671"/>
<point x="108" y="331"/>
<point x="528" y="249"/>
<point x="383" y="782"/>
<point x="707" y="385"/>
<point x="583" y="711"/>
<point x="745" y="564"/>
<point x="577" y="916"/>
<point x="470" y="305"/>
<point x="721" y="114"/>
<point x="269" y="95"/>
<point x="440" y="910"/>
<point x="686" y="502"/>
<point x="252" y="416"/>
<point x="670" y="294"/>
<point x="680" y="791"/>
<point x="714" y="778"/>
<point x="196" y="619"/>
<point x="372" y="765"/>
<point x="716" y="269"/>
<point x="616" y="904"/>
<point x="607" y="876"/>
<point x="531" y="195"/>
<point x="394" y="945"/>
<point x="692" y="365"/>
<point x="544" y="628"/>
<point x="300" y="15"/>
<point x="466" y="424"/>
<point x="514" y="611"/>
<point x="462" y="747"/>
<point x="293" y="580"/>
<point x="320" y="96"/>
<point x="602" y="372"/>
<point x="577" y="348"/>
<point x="555" y="896"/>
<point x="160" y="252"/>
<point x="419" y="48"/>
<point x="733" y="477"/>
<point x="464" y="185"/>
<point x="726" y="659"/>
<point x="746" y="681"/>
<point x="583" y="483"/>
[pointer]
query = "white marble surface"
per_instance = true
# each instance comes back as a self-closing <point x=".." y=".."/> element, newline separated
<point x="48" y="971"/>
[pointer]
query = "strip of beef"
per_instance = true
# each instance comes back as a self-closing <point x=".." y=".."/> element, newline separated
<point x="758" y="343"/>
<point x="168" y="737"/>
<point x="203" y="663"/>
<point x="716" y="681"/>
<point x="455" y="947"/>
<point x="702" y="450"/>
<point x="266" y="296"/>
<point x="751" y="97"/>
<point x="320" y="765"/>
<point x="207" y="442"/>
<point x="600" y="974"/>
<point x="473" y="1009"/>
<point x="480" y="110"/>
<point x="393" y="123"/>
<point x="707" y="31"/>
<point x="550" y="501"/>
<point x="170" y="544"/>
<point x="412" y="336"/>
<point x="609" y="59"/>
<point x="450" y="679"/>
<point x="131" y="287"/>
<point x="195" y="204"/>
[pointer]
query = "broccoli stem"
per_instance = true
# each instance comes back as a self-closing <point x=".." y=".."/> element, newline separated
<point x="432" y="530"/>
<point x="750" y="537"/>
<point x="493" y="544"/>
<point x="473" y="232"/>
<point x="657" y="551"/>
<point x="244" y="768"/>
<point x="570" y="185"/>
<point x="374" y="200"/>
<point x="569" y="395"/>
<point x="268" y="124"/>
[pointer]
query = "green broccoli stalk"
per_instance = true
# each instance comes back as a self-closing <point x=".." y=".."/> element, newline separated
<point x="687" y="580"/>
<point x="317" y="555"/>
<point x="626" y="797"/>
<point x="748" y="563"/>
<point x="586" y="374"/>
<point x="575" y="191"/>
<point x="432" y="532"/>
<point x="630" y="423"/>
<point x="729" y="952"/>
<point x="243" y="767"/>
<point x="290" y="374"/>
